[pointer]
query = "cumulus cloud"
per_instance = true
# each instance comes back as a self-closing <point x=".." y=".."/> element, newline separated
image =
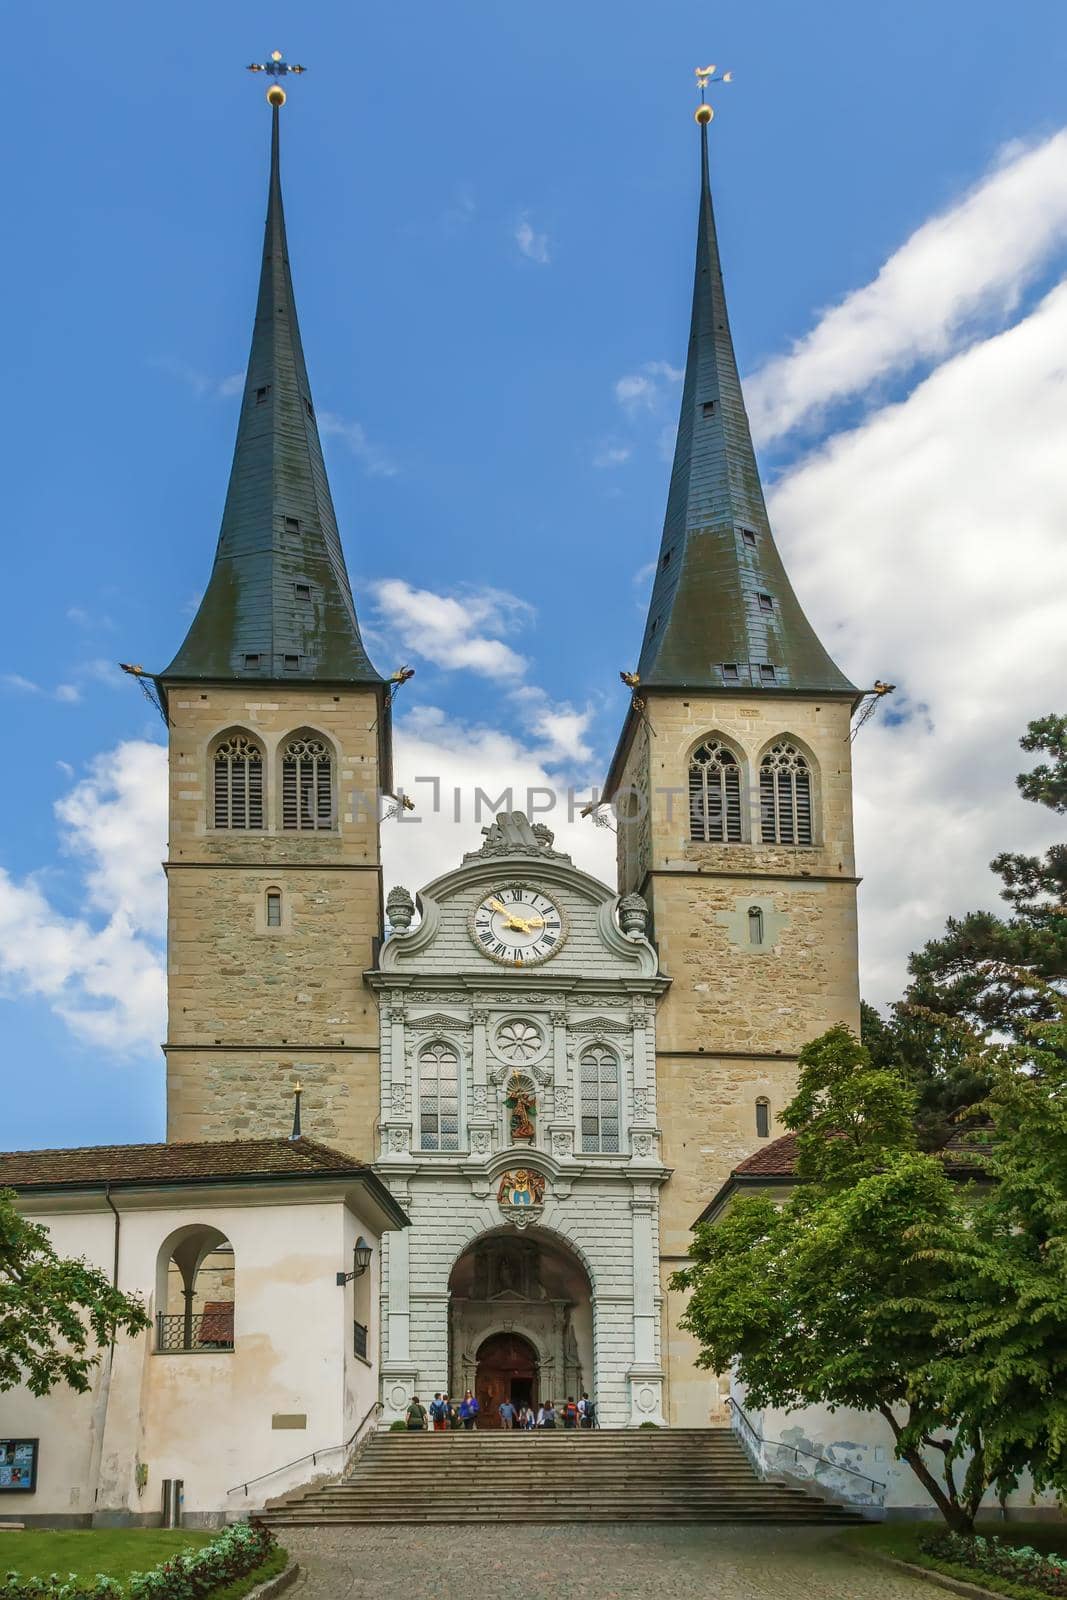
<point x="455" y="631"/>
<point x="927" y="545"/>
<point x="533" y="245"/>
<point x="101" y="970"/>
<point x="971" y="261"/>
<point x="202" y="384"/>
<point x="375" y="461"/>
<point x="65" y="693"/>
<point x="648" y="388"/>
<point x="468" y="773"/>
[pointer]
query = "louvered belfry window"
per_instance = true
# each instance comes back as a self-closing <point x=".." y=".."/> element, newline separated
<point x="238" y="783"/>
<point x="438" y="1097"/>
<point x="714" y="795"/>
<point x="785" y="796"/>
<point x="307" y="785"/>
<point x="598" y="1072"/>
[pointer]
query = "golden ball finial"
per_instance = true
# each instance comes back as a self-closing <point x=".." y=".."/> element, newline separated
<point x="704" y="115"/>
<point x="275" y="95"/>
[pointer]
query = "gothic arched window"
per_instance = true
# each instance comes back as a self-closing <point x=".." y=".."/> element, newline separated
<point x="785" y="796"/>
<point x="438" y="1097"/>
<point x="714" y="795"/>
<point x="755" y="925"/>
<point x="763" y="1118"/>
<point x="307" y="784"/>
<point x="598" y="1072"/>
<point x="238" y="783"/>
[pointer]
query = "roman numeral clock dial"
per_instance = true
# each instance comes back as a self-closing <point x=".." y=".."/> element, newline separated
<point x="518" y="926"/>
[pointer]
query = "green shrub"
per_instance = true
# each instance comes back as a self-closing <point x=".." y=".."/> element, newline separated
<point x="641" y="1425"/>
<point x="1017" y="1563"/>
<point x="398" y="1426"/>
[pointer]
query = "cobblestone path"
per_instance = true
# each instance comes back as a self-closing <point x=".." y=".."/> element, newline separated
<point x="504" y="1561"/>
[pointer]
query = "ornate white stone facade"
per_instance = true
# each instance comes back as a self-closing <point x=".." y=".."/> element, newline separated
<point x="580" y="1208"/>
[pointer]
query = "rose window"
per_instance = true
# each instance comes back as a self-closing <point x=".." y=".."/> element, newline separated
<point x="519" y="1040"/>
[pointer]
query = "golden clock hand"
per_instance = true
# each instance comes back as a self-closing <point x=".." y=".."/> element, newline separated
<point x="496" y="905"/>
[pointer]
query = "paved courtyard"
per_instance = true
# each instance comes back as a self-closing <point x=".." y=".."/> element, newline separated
<point x="505" y="1561"/>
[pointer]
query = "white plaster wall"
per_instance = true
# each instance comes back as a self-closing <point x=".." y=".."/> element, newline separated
<point x="863" y="1442"/>
<point x="206" y="1417"/>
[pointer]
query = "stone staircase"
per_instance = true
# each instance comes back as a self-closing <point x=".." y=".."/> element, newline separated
<point x="623" y="1475"/>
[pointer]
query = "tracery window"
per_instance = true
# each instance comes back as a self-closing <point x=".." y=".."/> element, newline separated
<point x="785" y="796"/>
<point x="307" y="785"/>
<point x="438" y="1097"/>
<point x="238" y="780"/>
<point x="598" y="1072"/>
<point x="714" y="795"/>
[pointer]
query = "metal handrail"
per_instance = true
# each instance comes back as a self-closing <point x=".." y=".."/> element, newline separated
<point x="798" y="1450"/>
<point x="312" y="1455"/>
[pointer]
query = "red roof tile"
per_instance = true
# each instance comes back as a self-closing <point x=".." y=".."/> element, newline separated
<point x="129" y="1164"/>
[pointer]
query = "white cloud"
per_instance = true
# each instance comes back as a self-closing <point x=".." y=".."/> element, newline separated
<point x="100" y="970"/>
<point x="971" y="261"/>
<point x="374" y="459"/>
<point x="927" y="546"/>
<point x="462" y="758"/>
<point x="649" y="388"/>
<point x="455" y="631"/>
<point x="201" y="383"/>
<point x="611" y="455"/>
<point x="65" y="693"/>
<point x="533" y="245"/>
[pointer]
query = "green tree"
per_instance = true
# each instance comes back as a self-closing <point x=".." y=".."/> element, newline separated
<point x="56" y="1314"/>
<point x="992" y="971"/>
<point x="1000" y="1309"/>
<point x="834" y="1298"/>
<point x="944" y="1060"/>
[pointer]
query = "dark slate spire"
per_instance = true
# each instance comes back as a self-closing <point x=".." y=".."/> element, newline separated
<point x="722" y="611"/>
<point x="278" y="603"/>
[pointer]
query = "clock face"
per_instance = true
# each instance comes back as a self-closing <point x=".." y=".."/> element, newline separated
<point x="518" y="926"/>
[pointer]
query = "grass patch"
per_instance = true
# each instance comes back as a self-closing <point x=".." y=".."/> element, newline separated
<point x="901" y="1539"/>
<point x="116" y="1552"/>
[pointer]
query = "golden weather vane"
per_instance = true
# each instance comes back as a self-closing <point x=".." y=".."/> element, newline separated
<point x="275" y="67"/>
<point x="704" y="76"/>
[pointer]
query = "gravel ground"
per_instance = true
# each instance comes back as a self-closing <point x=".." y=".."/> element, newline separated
<point x="506" y="1561"/>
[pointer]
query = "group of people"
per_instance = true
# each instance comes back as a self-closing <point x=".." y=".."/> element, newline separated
<point x="574" y="1414"/>
<point x="445" y="1414"/>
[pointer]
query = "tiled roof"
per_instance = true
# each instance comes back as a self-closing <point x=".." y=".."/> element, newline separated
<point x="129" y="1164"/>
<point x="775" y="1160"/>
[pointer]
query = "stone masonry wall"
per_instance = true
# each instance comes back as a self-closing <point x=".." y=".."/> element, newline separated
<point x="251" y="1008"/>
<point x="730" y="1027"/>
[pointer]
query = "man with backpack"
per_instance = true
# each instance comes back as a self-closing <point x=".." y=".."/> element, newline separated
<point x="586" y="1412"/>
<point x="439" y="1413"/>
<point x="570" y="1414"/>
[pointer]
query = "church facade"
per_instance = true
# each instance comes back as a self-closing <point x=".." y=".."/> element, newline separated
<point x="732" y="788"/>
<point x="519" y="1134"/>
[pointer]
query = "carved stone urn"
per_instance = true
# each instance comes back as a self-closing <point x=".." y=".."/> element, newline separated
<point x="633" y="914"/>
<point x="399" y="908"/>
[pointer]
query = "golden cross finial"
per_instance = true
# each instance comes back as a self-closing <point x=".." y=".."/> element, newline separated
<point x="704" y="76"/>
<point x="275" y="67"/>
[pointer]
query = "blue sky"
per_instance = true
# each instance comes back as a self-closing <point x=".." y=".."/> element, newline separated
<point x="491" y="215"/>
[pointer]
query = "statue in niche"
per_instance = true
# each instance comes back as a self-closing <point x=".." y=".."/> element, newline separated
<point x="522" y="1103"/>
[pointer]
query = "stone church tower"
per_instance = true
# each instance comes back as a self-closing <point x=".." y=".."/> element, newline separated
<point x="733" y="781"/>
<point x="279" y="747"/>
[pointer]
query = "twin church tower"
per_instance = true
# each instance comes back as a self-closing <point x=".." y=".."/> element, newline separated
<point x="731" y="776"/>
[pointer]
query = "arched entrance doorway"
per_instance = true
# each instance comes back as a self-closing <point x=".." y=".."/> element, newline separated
<point x="507" y="1370"/>
<point x="520" y="1321"/>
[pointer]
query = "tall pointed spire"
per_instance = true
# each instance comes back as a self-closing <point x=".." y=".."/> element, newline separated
<point x="278" y="604"/>
<point x="723" y="613"/>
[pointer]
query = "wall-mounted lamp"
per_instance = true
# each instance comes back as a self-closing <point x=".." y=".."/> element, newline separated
<point x="361" y="1254"/>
